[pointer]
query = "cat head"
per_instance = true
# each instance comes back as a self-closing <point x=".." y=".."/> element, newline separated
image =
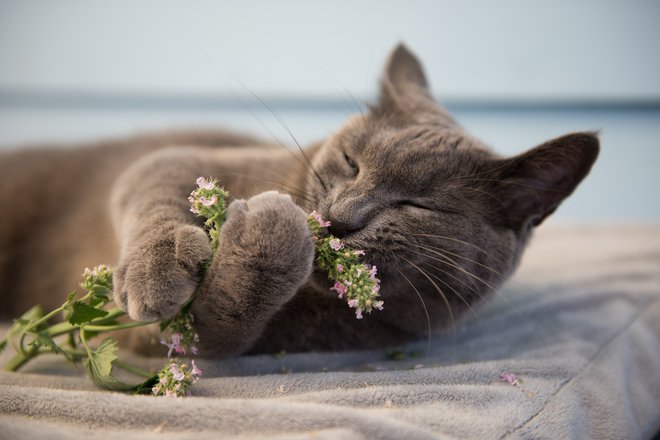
<point x="437" y="211"/>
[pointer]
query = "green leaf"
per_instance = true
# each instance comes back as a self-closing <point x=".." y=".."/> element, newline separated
<point x="99" y="367"/>
<point x="101" y="291"/>
<point x="43" y="339"/>
<point x="3" y="344"/>
<point x="83" y="313"/>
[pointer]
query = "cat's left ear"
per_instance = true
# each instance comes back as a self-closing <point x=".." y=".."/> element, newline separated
<point x="404" y="88"/>
<point x="529" y="187"/>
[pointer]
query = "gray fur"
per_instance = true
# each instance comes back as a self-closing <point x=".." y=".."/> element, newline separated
<point x="443" y="218"/>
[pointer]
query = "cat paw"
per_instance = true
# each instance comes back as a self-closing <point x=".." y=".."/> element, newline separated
<point x="160" y="271"/>
<point x="266" y="236"/>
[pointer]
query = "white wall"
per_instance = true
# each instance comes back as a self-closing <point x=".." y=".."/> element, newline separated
<point x="478" y="49"/>
<point x="72" y="70"/>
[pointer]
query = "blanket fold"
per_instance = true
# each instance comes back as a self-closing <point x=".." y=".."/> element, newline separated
<point x="579" y="325"/>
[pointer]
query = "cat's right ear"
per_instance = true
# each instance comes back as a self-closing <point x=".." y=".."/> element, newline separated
<point x="530" y="186"/>
<point x="404" y="88"/>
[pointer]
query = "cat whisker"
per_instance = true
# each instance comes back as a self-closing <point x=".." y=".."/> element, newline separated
<point x="500" y="274"/>
<point x="512" y="182"/>
<point x="288" y="130"/>
<point x="298" y="191"/>
<point x="489" y="194"/>
<point x="444" y="237"/>
<point x="446" y="252"/>
<point x="456" y="266"/>
<point x="426" y="311"/>
<point x="249" y="109"/>
<point x="444" y="297"/>
<point x="456" y="292"/>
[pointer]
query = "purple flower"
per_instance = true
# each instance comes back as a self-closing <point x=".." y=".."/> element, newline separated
<point x="336" y="244"/>
<point x="205" y="184"/>
<point x="340" y="288"/>
<point x="340" y="268"/>
<point x="208" y="202"/>
<point x="352" y="303"/>
<point x="358" y="313"/>
<point x="372" y="272"/>
<point x="177" y="374"/>
<point x="510" y="378"/>
<point x="195" y="371"/>
<point x="175" y="345"/>
<point x="319" y="219"/>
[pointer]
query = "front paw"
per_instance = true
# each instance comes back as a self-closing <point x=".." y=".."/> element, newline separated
<point x="158" y="272"/>
<point x="267" y="237"/>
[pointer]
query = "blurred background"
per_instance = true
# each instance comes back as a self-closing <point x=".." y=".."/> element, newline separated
<point x="514" y="72"/>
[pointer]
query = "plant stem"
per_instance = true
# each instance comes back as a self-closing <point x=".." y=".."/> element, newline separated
<point x="110" y="328"/>
<point x="133" y="369"/>
<point x="20" y="359"/>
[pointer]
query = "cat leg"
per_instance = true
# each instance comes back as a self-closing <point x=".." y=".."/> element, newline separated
<point x="265" y="256"/>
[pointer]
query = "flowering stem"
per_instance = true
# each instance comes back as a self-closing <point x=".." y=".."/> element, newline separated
<point x="133" y="369"/>
<point x="110" y="328"/>
<point x="21" y="359"/>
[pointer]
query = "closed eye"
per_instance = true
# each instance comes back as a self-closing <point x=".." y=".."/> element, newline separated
<point x="420" y="205"/>
<point x="415" y="204"/>
<point x="351" y="163"/>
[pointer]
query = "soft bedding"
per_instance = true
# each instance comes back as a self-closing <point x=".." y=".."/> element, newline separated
<point x="579" y="326"/>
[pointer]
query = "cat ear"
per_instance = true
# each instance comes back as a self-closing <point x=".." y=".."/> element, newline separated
<point x="529" y="187"/>
<point x="404" y="88"/>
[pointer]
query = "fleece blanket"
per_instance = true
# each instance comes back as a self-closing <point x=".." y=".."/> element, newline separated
<point x="579" y="326"/>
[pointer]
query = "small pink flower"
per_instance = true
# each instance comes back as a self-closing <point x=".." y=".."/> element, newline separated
<point x="195" y="210"/>
<point x="340" y="288"/>
<point x="155" y="390"/>
<point x="510" y="378"/>
<point x="372" y="272"/>
<point x="205" y="184"/>
<point x="195" y="371"/>
<point x="358" y="313"/>
<point x="194" y="350"/>
<point x="340" y="268"/>
<point x="336" y="244"/>
<point x="375" y="288"/>
<point x="358" y="253"/>
<point x="209" y="202"/>
<point x="177" y="374"/>
<point x="378" y="305"/>
<point x="352" y="303"/>
<point x="319" y="219"/>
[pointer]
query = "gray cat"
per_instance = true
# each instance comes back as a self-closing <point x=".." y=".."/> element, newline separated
<point x="443" y="218"/>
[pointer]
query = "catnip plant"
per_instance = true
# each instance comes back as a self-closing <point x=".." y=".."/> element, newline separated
<point x="88" y="315"/>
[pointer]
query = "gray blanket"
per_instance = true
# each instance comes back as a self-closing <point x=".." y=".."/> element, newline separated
<point x="579" y="325"/>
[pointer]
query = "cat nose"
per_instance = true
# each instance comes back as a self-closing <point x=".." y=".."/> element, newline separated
<point x="348" y="216"/>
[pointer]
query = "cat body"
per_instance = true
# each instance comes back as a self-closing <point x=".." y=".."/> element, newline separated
<point x="443" y="218"/>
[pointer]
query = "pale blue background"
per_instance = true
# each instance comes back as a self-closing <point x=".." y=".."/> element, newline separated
<point x="515" y="73"/>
